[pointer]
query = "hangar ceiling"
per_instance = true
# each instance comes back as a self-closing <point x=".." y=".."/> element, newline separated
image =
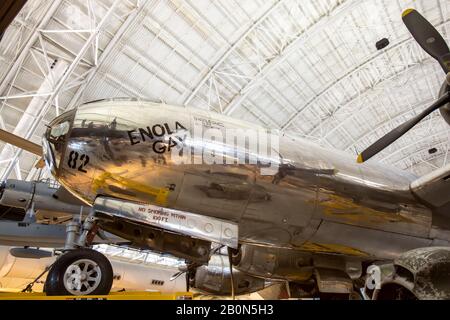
<point x="309" y="68"/>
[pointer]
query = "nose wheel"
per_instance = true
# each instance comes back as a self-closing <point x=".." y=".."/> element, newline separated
<point x="80" y="272"/>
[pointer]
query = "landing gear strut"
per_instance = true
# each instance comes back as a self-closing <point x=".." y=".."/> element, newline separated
<point x="80" y="271"/>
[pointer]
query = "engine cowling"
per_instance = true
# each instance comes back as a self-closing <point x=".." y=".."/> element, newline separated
<point x="20" y="194"/>
<point x="422" y="274"/>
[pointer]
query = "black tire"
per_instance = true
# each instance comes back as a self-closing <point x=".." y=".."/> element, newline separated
<point x="60" y="275"/>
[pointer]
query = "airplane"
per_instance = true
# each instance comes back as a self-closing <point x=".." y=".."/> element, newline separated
<point x="287" y="210"/>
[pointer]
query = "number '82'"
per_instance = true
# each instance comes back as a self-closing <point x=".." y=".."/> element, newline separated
<point x="78" y="162"/>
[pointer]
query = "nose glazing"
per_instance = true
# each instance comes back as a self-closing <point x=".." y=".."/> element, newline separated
<point x="55" y="140"/>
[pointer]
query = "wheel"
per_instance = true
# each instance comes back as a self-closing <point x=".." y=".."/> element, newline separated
<point x="80" y="272"/>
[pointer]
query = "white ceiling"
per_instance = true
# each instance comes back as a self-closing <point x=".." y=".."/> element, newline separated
<point x="308" y="67"/>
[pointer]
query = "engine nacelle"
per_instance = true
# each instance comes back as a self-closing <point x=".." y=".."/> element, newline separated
<point x="19" y="194"/>
<point x="422" y="274"/>
<point x="215" y="278"/>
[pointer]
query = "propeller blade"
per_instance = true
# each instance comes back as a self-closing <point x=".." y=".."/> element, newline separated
<point x="428" y="37"/>
<point x="392" y="136"/>
<point x="20" y="142"/>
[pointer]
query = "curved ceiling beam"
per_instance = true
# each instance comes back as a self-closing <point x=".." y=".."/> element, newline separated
<point x="231" y="49"/>
<point x="58" y="86"/>
<point x="371" y="59"/>
<point x="8" y="11"/>
<point x="362" y="95"/>
<point x="337" y="11"/>
<point x="132" y="17"/>
<point x="29" y="43"/>
<point x="332" y="85"/>
<point x="418" y="150"/>
<point x="371" y="131"/>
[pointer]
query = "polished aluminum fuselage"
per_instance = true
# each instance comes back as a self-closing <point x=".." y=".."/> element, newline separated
<point x="319" y="200"/>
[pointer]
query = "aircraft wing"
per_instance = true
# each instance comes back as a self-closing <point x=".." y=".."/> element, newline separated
<point x="434" y="188"/>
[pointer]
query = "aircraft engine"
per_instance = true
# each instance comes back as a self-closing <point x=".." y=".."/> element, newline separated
<point x="420" y="274"/>
<point x="20" y="194"/>
<point x="215" y="278"/>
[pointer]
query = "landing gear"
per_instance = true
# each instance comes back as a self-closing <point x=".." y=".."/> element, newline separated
<point x="80" y="272"/>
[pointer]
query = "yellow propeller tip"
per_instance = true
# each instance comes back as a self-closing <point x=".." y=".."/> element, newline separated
<point x="360" y="159"/>
<point x="406" y="12"/>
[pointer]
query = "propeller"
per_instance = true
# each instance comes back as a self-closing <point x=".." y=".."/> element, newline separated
<point x="24" y="144"/>
<point x="392" y="136"/>
<point x="434" y="44"/>
<point x="427" y="37"/>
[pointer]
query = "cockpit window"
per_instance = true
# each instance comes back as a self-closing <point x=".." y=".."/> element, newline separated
<point x="56" y="138"/>
<point x="60" y="130"/>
